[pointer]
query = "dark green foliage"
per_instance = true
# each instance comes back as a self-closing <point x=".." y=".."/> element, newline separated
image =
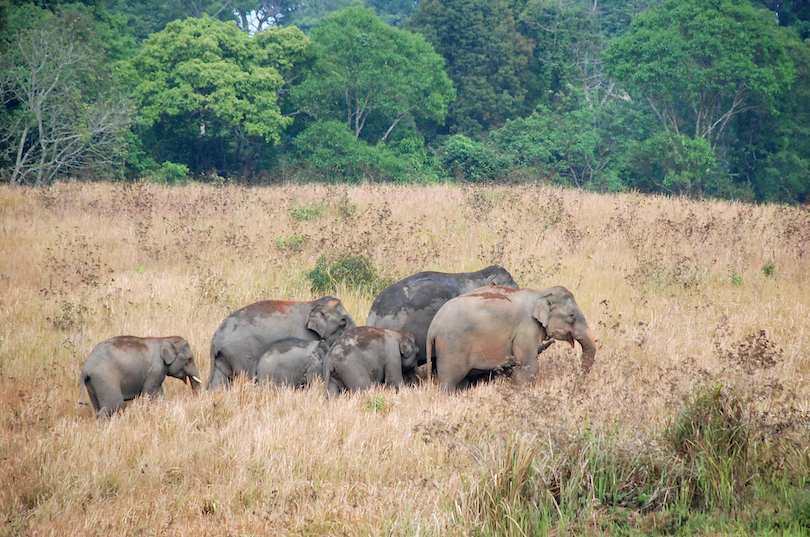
<point x="676" y="164"/>
<point x="59" y="109"/>
<point x="467" y="160"/>
<point x="486" y="57"/>
<point x="209" y="94"/>
<point x="568" y="147"/>
<point x="352" y="270"/>
<point x="330" y="150"/>
<point x="371" y="74"/>
<point x="703" y="98"/>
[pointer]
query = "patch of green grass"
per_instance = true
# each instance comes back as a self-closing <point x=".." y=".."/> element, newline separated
<point x="711" y="436"/>
<point x="767" y="269"/>
<point x="308" y="211"/>
<point x="377" y="403"/>
<point x="292" y="244"/>
<point x="353" y="270"/>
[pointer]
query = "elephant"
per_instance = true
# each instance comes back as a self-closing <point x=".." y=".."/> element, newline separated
<point x="410" y="304"/>
<point x="245" y="334"/>
<point x="495" y="327"/>
<point x="292" y="362"/>
<point x="124" y="367"/>
<point x="366" y="355"/>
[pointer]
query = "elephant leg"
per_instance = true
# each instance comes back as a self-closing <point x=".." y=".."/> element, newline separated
<point x="333" y="388"/>
<point x="526" y="367"/>
<point x="91" y="394"/>
<point x="355" y="376"/>
<point x="217" y="379"/>
<point x="449" y="374"/>
<point x="111" y="402"/>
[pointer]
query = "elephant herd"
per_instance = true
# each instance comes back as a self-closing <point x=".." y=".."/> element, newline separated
<point x="464" y="326"/>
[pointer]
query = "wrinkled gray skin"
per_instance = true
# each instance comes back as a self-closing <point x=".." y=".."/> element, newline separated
<point x="246" y="334"/>
<point x="496" y="327"/>
<point x="366" y="355"/>
<point x="292" y="362"/>
<point x="410" y="304"/>
<point x="124" y="367"/>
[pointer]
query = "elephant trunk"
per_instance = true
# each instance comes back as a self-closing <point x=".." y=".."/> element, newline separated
<point x="193" y="378"/>
<point x="588" y="344"/>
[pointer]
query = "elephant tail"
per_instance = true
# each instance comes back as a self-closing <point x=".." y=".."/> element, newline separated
<point x="83" y="389"/>
<point x="429" y="353"/>
<point x="218" y="377"/>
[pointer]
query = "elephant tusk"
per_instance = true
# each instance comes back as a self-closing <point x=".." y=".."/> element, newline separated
<point x="196" y="379"/>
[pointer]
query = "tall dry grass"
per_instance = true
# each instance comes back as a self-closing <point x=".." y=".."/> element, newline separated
<point x="679" y="293"/>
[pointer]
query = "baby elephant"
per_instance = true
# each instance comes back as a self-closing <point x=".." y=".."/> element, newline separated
<point x="124" y="367"/>
<point x="365" y="355"/>
<point x="292" y="362"/>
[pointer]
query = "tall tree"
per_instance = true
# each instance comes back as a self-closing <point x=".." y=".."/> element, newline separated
<point x="60" y="112"/>
<point x="220" y="87"/>
<point x="367" y="68"/>
<point x="487" y="59"/>
<point x="699" y="63"/>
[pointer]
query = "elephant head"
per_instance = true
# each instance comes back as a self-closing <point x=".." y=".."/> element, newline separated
<point x="314" y="368"/>
<point x="408" y="350"/>
<point x="179" y="360"/>
<point x="561" y="318"/>
<point x="329" y="319"/>
<point x="496" y="275"/>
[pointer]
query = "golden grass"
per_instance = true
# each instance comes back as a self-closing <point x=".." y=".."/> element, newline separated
<point x="678" y="292"/>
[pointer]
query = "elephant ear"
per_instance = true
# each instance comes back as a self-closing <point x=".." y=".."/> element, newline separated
<point x="407" y="345"/>
<point x="542" y="310"/>
<point x="317" y="321"/>
<point x="168" y="353"/>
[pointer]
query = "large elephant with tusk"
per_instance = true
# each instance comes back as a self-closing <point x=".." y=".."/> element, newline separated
<point x="496" y="327"/>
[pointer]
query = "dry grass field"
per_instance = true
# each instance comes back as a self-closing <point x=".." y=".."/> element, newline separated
<point x="701" y="311"/>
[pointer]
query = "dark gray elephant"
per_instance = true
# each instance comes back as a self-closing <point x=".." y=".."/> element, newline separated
<point x="410" y="304"/>
<point x="366" y="355"/>
<point x="245" y="334"/>
<point x="495" y="327"/>
<point x="292" y="362"/>
<point x="124" y="367"/>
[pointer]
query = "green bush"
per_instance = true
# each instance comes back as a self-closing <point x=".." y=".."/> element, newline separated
<point x="169" y="173"/>
<point x="330" y="149"/>
<point x="465" y="159"/>
<point x="352" y="270"/>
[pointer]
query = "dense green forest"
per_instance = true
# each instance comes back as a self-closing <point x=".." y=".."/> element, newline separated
<point x="704" y="98"/>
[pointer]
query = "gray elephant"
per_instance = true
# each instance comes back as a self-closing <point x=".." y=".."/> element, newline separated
<point x="124" y="367"/>
<point x="496" y="327"/>
<point x="246" y="334"/>
<point x="366" y="355"/>
<point x="410" y="304"/>
<point x="292" y="362"/>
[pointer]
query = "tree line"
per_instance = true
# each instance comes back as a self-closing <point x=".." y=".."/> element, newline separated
<point x="686" y="97"/>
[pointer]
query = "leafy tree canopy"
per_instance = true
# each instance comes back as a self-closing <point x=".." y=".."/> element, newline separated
<point x="698" y="63"/>
<point x="486" y="57"/>
<point x="367" y="68"/>
<point x="212" y="74"/>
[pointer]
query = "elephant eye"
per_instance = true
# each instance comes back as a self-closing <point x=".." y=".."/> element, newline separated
<point x="343" y="322"/>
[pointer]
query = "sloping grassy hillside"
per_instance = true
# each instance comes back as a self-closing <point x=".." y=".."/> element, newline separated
<point x="694" y="420"/>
